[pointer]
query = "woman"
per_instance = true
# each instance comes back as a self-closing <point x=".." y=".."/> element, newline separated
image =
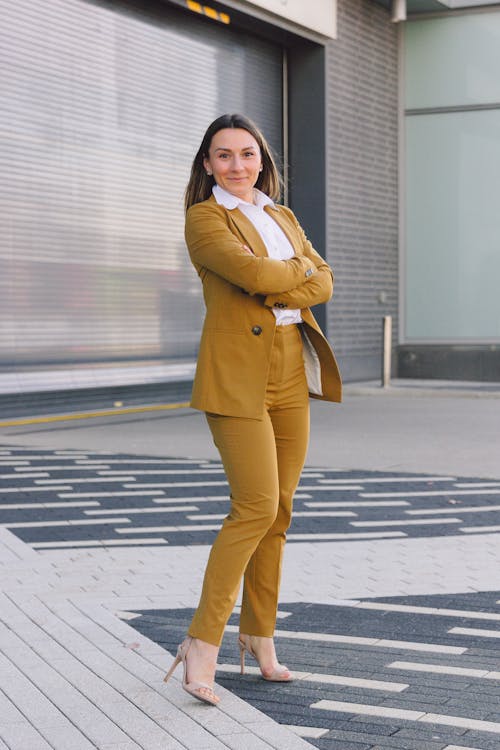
<point x="261" y="355"/>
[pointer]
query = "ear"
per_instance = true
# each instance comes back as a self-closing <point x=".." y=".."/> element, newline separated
<point x="206" y="164"/>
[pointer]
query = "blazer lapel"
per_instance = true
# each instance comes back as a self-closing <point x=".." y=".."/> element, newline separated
<point x="248" y="232"/>
<point x="251" y="236"/>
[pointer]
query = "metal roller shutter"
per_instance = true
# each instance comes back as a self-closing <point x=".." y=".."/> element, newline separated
<point x="102" y="111"/>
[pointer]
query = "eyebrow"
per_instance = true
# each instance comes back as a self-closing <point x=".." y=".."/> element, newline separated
<point x="246" y="148"/>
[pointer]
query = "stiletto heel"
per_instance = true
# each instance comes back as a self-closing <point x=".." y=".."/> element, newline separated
<point x="172" y="669"/>
<point x="280" y="674"/>
<point x="193" y="688"/>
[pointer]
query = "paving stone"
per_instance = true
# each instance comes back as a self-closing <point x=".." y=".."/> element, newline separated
<point x="478" y="740"/>
<point x="340" y="745"/>
<point x="377" y="729"/>
<point x="422" y="570"/>
<point x="278" y="736"/>
<point x="70" y="702"/>
<point x="423" y="732"/>
<point x="247" y="741"/>
<point x="64" y="736"/>
<point x="22" y="737"/>
<point x="387" y="742"/>
<point x="187" y="733"/>
<point x="39" y="711"/>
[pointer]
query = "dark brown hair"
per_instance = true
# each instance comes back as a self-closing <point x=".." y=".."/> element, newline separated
<point x="199" y="187"/>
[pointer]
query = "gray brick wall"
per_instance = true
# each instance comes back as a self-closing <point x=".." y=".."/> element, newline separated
<point x="362" y="183"/>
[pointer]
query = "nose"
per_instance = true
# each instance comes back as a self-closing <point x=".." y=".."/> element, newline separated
<point x="237" y="164"/>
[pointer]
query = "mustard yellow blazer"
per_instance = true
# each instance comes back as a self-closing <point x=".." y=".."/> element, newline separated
<point x="240" y="291"/>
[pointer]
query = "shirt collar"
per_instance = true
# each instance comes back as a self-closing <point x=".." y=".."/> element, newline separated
<point x="230" y="201"/>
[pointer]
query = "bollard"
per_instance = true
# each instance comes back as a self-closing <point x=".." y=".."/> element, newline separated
<point x="386" y="350"/>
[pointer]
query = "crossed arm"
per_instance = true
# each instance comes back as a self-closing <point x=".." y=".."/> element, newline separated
<point x="299" y="282"/>
<point x="319" y="287"/>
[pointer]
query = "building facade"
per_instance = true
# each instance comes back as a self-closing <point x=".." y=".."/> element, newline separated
<point x="450" y="172"/>
<point x="389" y="151"/>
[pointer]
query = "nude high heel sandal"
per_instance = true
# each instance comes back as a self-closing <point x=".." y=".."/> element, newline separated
<point x="280" y="674"/>
<point x="193" y="688"/>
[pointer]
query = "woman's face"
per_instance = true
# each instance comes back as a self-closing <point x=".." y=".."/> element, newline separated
<point x="235" y="161"/>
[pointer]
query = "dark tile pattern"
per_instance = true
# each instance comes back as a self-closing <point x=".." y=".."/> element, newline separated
<point x="454" y="695"/>
<point x="195" y="483"/>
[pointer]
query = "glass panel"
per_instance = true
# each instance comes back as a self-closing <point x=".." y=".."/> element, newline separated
<point x="452" y="61"/>
<point x="453" y="227"/>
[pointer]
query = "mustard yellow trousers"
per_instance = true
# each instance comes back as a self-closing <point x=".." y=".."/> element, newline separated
<point x="263" y="459"/>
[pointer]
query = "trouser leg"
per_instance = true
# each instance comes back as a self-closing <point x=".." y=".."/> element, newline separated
<point x="263" y="573"/>
<point x="248" y="452"/>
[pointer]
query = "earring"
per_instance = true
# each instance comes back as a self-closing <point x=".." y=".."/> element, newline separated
<point x="261" y="168"/>
<point x="209" y="174"/>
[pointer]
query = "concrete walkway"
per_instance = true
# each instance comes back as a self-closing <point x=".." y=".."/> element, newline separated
<point x="75" y="675"/>
<point x="434" y="427"/>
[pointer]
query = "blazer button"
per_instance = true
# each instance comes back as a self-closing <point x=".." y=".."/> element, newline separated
<point x="256" y="330"/>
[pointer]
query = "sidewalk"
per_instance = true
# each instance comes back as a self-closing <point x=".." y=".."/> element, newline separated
<point x="409" y="427"/>
<point x="77" y="674"/>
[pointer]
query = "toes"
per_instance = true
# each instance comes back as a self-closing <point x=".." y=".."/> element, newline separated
<point x="208" y="693"/>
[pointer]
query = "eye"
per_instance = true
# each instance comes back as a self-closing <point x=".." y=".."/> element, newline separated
<point x="249" y="154"/>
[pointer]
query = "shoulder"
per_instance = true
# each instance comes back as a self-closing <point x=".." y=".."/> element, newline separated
<point x="209" y="206"/>
<point x="204" y="219"/>
<point x="286" y="211"/>
<point x="288" y="214"/>
<point x="205" y="215"/>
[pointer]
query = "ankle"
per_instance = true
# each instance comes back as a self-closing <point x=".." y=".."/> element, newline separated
<point x="204" y="650"/>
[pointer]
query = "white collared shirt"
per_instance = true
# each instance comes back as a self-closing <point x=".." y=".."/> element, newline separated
<point x="277" y="243"/>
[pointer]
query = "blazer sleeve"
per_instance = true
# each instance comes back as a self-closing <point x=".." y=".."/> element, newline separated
<point x="319" y="287"/>
<point x="212" y="245"/>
